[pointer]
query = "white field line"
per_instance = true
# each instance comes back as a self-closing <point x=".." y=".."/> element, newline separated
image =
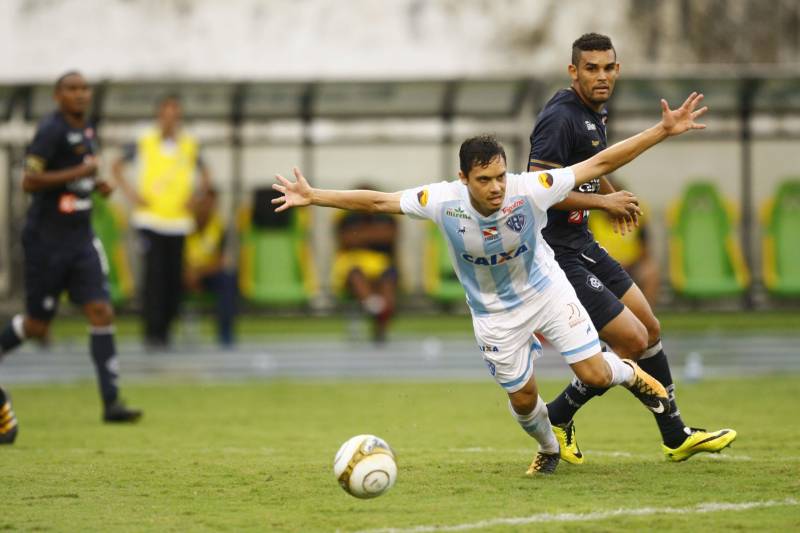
<point x="543" y="518"/>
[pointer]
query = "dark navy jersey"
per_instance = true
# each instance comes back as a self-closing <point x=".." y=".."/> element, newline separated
<point x="567" y="132"/>
<point x="61" y="214"/>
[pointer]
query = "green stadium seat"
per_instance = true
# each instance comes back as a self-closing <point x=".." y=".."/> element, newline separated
<point x="705" y="259"/>
<point x="110" y="227"/>
<point x="275" y="266"/>
<point x="440" y="281"/>
<point x="781" y="254"/>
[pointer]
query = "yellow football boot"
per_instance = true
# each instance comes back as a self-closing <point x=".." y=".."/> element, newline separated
<point x="698" y="441"/>
<point x="647" y="389"/>
<point x="8" y="420"/>
<point x="543" y="463"/>
<point x="565" y="435"/>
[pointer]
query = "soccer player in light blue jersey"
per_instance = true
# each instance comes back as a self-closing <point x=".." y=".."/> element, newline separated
<point x="492" y="221"/>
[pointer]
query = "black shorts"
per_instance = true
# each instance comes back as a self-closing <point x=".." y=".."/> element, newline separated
<point x="79" y="268"/>
<point x="598" y="280"/>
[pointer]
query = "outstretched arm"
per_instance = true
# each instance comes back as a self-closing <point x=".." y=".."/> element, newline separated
<point x="299" y="193"/>
<point x="673" y="122"/>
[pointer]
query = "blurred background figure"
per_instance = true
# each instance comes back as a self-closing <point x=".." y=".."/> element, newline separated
<point x="364" y="266"/>
<point x="167" y="160"/>
<point x="206" y="269"/>
<point x="630" y="247"/>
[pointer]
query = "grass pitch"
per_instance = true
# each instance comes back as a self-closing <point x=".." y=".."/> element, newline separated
<point x="258" y="456"/>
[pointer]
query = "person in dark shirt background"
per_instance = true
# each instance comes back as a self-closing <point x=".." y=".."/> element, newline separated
<point x="364" y="265"/>
<point x="572" y="128"/>
<point x="61" y="250"/>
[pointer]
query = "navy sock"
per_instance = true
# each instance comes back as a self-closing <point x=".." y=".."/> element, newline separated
<point x="572" y="398"/>
<point x="104" y="355"/>
<point x="670" y="424"/>
<point x="12" y="335"/>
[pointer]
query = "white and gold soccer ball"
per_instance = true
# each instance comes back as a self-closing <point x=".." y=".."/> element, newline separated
<point x="365" y="466"/>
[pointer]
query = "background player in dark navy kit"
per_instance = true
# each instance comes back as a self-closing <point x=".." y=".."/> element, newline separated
<point x="61" y="251"/>
<point x="572" y="128"/>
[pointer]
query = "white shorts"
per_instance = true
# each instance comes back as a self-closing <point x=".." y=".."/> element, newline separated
<point x="509" y="345"/>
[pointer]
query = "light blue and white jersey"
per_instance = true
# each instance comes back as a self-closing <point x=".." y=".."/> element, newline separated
<point x="501" y="260"/>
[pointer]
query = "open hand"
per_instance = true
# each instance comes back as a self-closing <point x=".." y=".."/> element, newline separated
<point x="295" y="193"/>
<point x="682" y="119"/>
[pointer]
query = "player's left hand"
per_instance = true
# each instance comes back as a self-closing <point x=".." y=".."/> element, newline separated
<point x="682" y="119"/>
<point x="295" y="194"/>
<point x="104" y="188"/>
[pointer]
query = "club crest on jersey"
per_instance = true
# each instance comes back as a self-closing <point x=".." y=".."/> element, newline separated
<point x="490" y="233"/>
<point x="594" y="283"/>
<point x="422" y="197"/>
<point x="590" y="126"/>
<point x="516" y="223"/>
<point x="495" y="259"/>
<point x="546" y="180"/>
<point x="456" y="212"/>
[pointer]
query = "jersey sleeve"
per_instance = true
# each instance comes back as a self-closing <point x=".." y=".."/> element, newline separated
<point x="43" y="147"/>
<point x="552" y="141"/>
<point x="549" y="187"/>
<point x="421" y="202"/>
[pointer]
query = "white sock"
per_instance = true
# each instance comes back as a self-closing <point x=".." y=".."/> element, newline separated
<point x="537" y="425"/>
<point x="620" y="372"/>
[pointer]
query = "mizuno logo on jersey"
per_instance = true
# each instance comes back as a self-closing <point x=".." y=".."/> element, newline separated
<point x="490" y="233"/>
<point x="495" y="259"/>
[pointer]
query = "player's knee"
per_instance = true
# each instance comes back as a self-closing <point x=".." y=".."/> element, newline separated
<point x="596" y="375"/>
<point x="100" y="314"/>
<point x="523" y="401"/>
<point x="632" y="343"/>
<point x="653" y="331"/>
<point x="36" y="329"/>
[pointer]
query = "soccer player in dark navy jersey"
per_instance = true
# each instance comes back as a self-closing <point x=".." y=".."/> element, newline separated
<point x="61" y="250"/>
<point x="572" y="128"/>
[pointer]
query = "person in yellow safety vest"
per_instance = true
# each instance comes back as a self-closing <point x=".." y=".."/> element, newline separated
<point x="206" y="269"/>
<point x="168" y="163"/>
<point x="630" y="247"/>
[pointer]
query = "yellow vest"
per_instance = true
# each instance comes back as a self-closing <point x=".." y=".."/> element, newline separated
<point x="626" y="249"/>
<point x="166" y="183"/>
<point x="203" y="246"/>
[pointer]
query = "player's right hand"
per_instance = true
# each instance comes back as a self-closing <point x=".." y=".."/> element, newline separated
<point x="295" y="194"/>
<point x="91" y="164"/>
<point x="621" y="204"/>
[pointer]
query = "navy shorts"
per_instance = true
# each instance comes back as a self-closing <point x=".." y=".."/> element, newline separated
<point x="79" y="268"/>
<point x="599" y="280"/>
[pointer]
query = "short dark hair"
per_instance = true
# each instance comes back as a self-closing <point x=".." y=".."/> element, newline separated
<point x="590" y="42"/>
<point x="479" y="151"/>
<point x="61" y="79"/>
<point x="168" y="98"/>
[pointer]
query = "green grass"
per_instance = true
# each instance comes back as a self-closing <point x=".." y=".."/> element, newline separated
<point x="257" y="456"/>
<point x="287" y="327"/>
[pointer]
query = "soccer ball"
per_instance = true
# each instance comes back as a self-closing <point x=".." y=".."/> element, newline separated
<point x="365" y="466"/>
